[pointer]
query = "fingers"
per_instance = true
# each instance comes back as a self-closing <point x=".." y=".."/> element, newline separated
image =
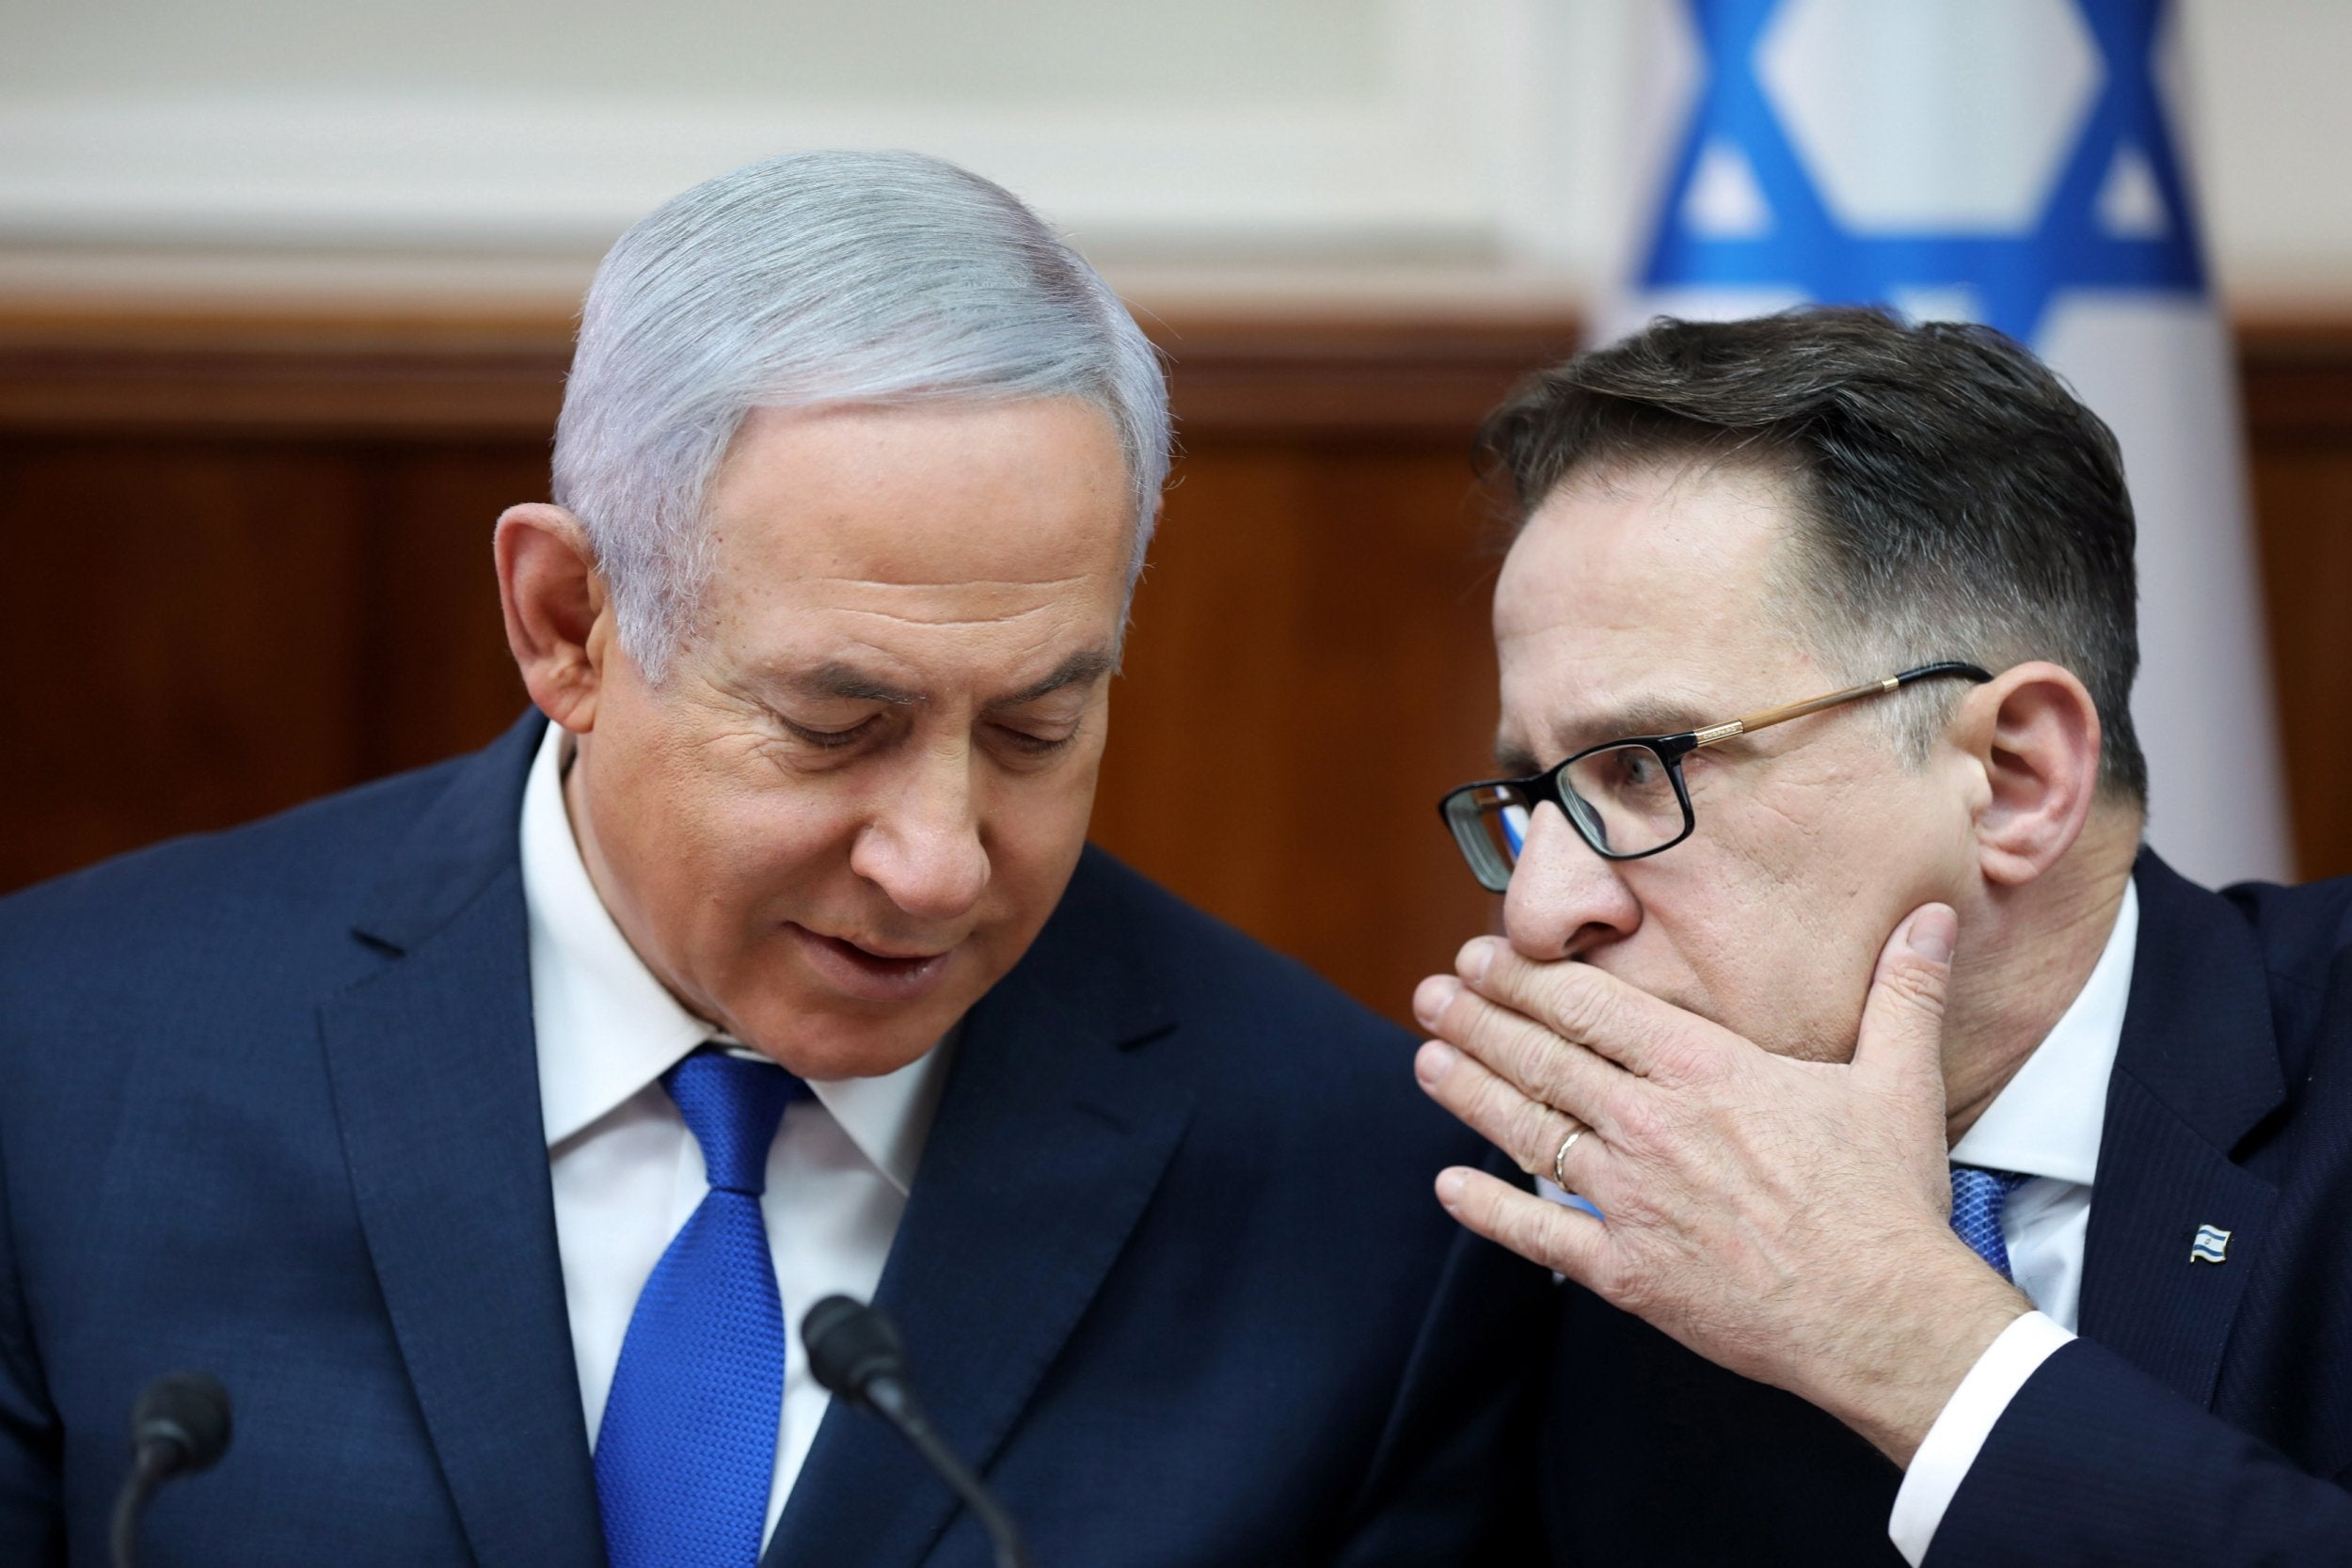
<point x="1566" y="1240"/>
<point x="1902" y="1018"/>
<point x="1537" y="1062"/>
<point x="1529" y="1131"/>
<point x="1582" y="1004"/>
<point x="1575" y="1162"/>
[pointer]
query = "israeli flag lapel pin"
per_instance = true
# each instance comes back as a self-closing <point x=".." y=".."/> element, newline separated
<point x="2212" y="1246"/>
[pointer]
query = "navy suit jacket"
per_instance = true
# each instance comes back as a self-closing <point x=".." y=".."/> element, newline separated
<point x="2205" y="1417"/>
<point x="1171" y="1272"/>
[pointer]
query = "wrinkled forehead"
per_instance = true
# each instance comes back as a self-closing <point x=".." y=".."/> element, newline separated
<point x="993" y="536"/>
<point x="932" y="491"/>
<point x="1639" y="600"/>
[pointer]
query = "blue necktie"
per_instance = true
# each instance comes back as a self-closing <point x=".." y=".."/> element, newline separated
<point x="1977" y="1199"/>
<point x="687" y="1451"/>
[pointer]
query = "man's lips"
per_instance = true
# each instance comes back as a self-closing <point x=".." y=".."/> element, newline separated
<point x="868" y="975"/>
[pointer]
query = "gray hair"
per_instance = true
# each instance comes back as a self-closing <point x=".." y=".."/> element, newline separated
<point x="812" y="280"/>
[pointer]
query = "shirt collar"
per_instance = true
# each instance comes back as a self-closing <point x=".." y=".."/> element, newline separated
<point x="2047" y="1120"/>
<point x="607" y="1028"/>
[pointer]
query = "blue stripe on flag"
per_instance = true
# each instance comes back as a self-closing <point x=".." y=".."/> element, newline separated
<point x="1804" y="247"/>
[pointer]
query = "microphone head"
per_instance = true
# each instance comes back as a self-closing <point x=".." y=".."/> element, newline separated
<point x="850" y="1344"/>
<point x="187" y="1410"/>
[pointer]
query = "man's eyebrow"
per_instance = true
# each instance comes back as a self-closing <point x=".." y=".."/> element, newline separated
<point x="1080" y="669"/>
<point x="1659" y="715"/>
<point x="1512" y="760"/>
<point x="849" y="684"/>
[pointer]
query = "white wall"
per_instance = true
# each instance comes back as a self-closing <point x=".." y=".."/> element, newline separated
<point x="1463" y="150"/>
<point x="2271" y="93"/>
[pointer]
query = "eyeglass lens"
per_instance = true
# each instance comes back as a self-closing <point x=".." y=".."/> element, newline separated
<point x="1490" y="823"/>
<point x="1622" y="798"/>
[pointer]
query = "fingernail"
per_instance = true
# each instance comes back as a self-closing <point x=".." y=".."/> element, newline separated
<point x="1475" y="958"/>
<point x="1933" y="930"/>
<point x="1433" y="996"/>
<point x="1433" y="1062"/>
<point x="1449" y="1184"/>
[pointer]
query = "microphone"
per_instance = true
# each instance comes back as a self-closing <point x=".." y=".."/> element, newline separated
<point x="853" y="1350"/>
<point x="179" y="1427"/>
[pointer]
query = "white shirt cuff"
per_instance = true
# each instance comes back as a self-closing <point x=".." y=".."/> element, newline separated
<point x="1967" y="1419"/>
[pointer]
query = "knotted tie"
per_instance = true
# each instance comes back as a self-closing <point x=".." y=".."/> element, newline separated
<point x="1977" y="1199"/>
<point x="687" y="1451"/>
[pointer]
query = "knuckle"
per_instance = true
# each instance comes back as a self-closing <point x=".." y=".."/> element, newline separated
<point x="1532" y="1128"/>
<point x="1638" y="1123"/>
<point x="1919" y="981"/>
<point x="1538" y="1061"/>
<point x="1627" y="1288"/>
<point x="1497" y="1113"/>
<point x="1473" y="1021"/>
<point x="1580" y="1001"/>
<point x="1492" y="1213"/>
<point x="1463" y="1100"/>
<point x="1691" y="1062"/>
<point x="1532" y="1227"/>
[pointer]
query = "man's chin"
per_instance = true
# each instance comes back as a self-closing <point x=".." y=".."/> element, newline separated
<point x="811" y="1045"/>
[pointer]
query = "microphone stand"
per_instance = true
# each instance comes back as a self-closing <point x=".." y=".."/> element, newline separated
<point x="854" y="1351"/>
<point x="895" y="1401"/>
<point x="180" y="1426"/>
<point x="151" y="1467"/>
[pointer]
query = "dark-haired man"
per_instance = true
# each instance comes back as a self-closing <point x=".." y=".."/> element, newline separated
<point x="1820" y="627"/>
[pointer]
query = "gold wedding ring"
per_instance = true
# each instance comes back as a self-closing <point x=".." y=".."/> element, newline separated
<point x="1560" y="1160"/>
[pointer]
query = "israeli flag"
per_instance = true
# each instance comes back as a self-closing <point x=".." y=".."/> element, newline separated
<point x="2210" y="1245"/>
<point x="2014" y="161"/>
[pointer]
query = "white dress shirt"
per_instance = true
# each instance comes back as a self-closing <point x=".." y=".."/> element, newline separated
<point x="2045" y="1124"/>
<point x="628" y="1174"/>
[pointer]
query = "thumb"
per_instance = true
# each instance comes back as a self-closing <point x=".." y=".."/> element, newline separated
<point x="1903" y="1018"/>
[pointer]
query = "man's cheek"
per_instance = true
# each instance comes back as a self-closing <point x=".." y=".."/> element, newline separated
<point x="775" y="832"/>
<point x="1721" y="971"/>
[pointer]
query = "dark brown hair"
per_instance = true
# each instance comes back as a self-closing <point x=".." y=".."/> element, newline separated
<point x="1955" y="500"/>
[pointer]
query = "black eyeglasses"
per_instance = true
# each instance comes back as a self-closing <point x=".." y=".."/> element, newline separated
<point x="1627" y="796"/>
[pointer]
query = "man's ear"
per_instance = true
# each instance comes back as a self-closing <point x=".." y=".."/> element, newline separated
<point x="559" y="619"/>
<point x="2035" y="731"/>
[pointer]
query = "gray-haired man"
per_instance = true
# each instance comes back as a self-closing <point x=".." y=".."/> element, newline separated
<point x="487" y="1130"/>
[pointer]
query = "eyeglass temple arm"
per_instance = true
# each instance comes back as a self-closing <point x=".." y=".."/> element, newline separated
<point x="1770" y="715"/>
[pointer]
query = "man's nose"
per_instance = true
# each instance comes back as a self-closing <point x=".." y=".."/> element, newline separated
<point x="1564" y="898"/>
<point x="923" y="846"/>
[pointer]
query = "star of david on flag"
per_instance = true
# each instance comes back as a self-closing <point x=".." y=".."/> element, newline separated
<point x="2012" y="162"/>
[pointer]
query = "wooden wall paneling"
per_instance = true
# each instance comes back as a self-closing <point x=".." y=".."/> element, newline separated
<point x="1309" y="669"/>
<point x="427" y="377"/>
<point x="248" y="562"/>
<point x="1309" y="666"/>
<point x="2298" y="385"/>
<point x="176" y="624"/>
<point x="438" y="677"/>
<point x="1431" y="380"/>
<point x="2307" y="579"/>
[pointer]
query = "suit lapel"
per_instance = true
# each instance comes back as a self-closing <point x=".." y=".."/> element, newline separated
<point x="1050" y="1139"/>
<point x="435" y="1076"/>
<point x="2197" y="1069"/>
